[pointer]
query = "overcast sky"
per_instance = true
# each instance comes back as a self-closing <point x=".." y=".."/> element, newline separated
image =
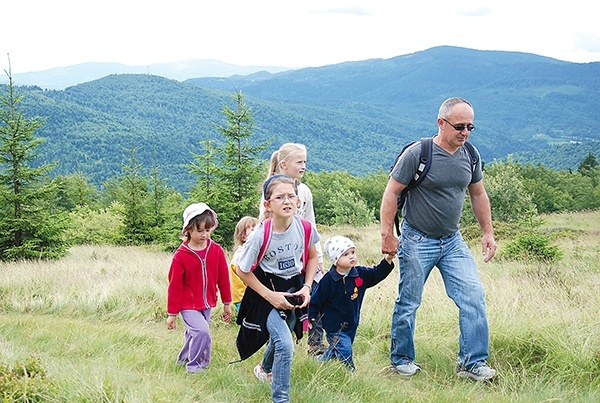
<point x="43" y="34"/>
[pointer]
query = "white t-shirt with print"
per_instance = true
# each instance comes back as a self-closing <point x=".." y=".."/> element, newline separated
<point x="283" y="257"/>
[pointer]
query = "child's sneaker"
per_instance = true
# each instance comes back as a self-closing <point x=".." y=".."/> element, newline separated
<point x="481" y="373"/>
<point x="261" y="375"/>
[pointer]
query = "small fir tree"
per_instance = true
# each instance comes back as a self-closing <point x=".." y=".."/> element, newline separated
<point x="230" y="174"/>
<point x="137" y="226"/>
<point x="31" y="226"/>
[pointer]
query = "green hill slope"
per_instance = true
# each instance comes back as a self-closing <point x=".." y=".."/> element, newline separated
<point x="353" y="116"/>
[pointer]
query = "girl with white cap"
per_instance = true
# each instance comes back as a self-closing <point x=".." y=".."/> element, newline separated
<point x="199" y="267"/>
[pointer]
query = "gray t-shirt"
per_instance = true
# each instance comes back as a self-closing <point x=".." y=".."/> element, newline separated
<point x="283" y="257"/>
<point x="434" y="207"/>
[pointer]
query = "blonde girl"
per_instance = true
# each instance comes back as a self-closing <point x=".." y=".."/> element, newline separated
<point x="290" y="160"/>
<point x="243" y="229"/>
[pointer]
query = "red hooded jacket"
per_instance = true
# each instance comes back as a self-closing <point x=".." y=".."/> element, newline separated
<point x="193" y="281"/>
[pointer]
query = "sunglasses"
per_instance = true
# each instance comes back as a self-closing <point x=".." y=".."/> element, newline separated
<point x="460" y="128"/>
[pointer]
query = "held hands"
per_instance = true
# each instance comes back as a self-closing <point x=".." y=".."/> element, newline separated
<point x="389" y="243"/>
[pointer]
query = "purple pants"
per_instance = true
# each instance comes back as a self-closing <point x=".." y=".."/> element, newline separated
<point x="197" y="343"/>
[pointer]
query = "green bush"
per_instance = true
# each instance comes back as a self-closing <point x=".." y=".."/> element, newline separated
<point x="349" y="208"/>
<point x="24" y="382"/>
<point x="531" y="246"/>
<point x="94" y="227"/>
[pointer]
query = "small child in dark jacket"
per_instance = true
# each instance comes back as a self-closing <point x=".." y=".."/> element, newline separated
<point x="338" y="297"/>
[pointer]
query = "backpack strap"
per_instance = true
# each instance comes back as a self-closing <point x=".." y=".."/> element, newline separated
<point x="474" y="155"/>
<point x="425" y="160"/>
<point x="307" y="226"/>
<point x="266" y="239"/>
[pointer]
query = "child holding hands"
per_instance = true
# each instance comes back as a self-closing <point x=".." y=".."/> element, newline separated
<point x="339" y="297"/>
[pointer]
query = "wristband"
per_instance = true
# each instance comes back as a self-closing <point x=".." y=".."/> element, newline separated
<point x="307" y="285"/>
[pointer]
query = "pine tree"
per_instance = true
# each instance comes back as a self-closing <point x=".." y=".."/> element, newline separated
<point x="165" y="204"/>
<point x="206" y="168"/>
<point x="136" y="202"/>
<point x="31" y="227"/>
<point x="589" y="167"/>
<point x="230" y="173"/>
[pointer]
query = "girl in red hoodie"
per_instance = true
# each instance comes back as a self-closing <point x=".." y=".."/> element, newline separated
<point x="198" y="268"/>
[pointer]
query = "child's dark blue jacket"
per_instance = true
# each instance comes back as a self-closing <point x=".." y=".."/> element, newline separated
<point x="338" y="299"/>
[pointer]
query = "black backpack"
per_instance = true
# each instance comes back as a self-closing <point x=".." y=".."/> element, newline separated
<point x="422" y="169"/>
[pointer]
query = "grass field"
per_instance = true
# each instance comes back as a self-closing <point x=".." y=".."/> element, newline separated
<point x="93" y="325"/>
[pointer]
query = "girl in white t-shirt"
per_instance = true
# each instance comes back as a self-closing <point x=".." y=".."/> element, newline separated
<point x="277" y="292"/>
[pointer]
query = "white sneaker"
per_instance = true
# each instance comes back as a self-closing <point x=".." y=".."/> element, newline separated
<point x="407" y="369"/>
<point x="261" y="375"/>
<point x="481" y="373"/>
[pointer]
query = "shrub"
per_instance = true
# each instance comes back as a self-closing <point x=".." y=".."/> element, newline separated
<point x="349" y="208"/>
<point x="94" y="227"/>
<point x="24" y="381"/>
<point x="531" y="246"/>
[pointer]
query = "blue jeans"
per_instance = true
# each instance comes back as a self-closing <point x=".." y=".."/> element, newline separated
<point x="278" y="355"/>
<point x="417" y="255"/>
<point x="340" y="347"/>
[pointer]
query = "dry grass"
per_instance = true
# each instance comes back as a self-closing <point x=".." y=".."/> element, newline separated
<point x="96" y="321"/>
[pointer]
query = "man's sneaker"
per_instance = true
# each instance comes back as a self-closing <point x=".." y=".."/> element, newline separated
<point x="481" y="373"/>
<point x="261" y="375"/>
<point x="407" y="369"/>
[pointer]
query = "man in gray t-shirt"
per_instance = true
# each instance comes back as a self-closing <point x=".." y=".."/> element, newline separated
<point x="430" y="238"/>
<point x="433" y="208"/>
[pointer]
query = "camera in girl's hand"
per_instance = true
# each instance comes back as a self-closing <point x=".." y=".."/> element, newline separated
<point x="295" y="300"/>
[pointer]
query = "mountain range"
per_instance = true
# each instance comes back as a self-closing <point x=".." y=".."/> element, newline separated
<point x="62" y="77"/>
<point x="352" y="116"/>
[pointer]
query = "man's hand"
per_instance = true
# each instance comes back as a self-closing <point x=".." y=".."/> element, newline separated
<point x="488" y="247"/>
<point x="387" y="213"/>
<point x="389" y="244"/>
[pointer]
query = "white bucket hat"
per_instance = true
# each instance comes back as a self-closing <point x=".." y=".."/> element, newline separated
<point x="336" y="246"/>
<point x="194" y="210"/>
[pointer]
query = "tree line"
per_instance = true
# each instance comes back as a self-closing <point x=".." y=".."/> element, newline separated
<point x="44" y="215"/>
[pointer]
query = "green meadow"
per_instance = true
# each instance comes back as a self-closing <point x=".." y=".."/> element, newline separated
<point x="91" y="328"/>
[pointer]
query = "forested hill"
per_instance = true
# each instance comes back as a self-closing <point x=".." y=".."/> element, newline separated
<point x="353" y="116"/>
<point x="522" y="101"/>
